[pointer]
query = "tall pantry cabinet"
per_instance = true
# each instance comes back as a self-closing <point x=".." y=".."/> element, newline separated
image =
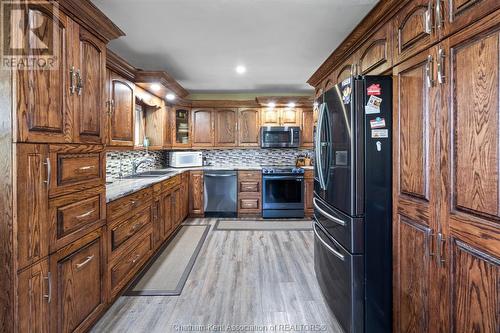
<point x="446" y="184"/>
<point x="52" y="250"/>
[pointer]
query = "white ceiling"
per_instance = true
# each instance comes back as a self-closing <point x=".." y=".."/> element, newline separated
<point x="200" y="42"/>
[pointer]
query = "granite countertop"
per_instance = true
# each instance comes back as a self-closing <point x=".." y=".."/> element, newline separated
<point x="118" y="188"/>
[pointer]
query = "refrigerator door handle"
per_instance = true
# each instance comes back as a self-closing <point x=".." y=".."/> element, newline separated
<point x="318" y="147"/>
<point x="329" y="216"/>
<point x="331" y="249"/>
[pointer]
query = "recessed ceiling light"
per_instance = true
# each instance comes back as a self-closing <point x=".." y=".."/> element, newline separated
<point x="170" y="97"/>
<point x="155" y="87"/>
<point x="291" y="105"/>
<point x="241" y="69"/>
<point x="271" y="105"/>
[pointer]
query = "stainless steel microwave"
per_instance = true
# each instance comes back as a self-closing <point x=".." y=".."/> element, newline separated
<point x="280" y="137"/>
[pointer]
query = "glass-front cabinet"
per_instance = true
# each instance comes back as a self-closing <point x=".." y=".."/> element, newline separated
<point x="182" y="128"/>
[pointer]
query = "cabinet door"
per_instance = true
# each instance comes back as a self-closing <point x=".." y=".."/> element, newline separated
<point x="309" y="193"/>
<point x="77" y="273"/>
<point x="454" y="15"/>
<point x="90" y="105"/>
<point x="248" y="128"/>
<point x="33" y="174"/>
<point x="181" y="128"/>
<point x="34" y="296"/>
<point x="167" y="215"/>
<point x="270" y="117"/>
<point x="469" y="244"/>
<point x="307" y="128"/>
<point x="203" y="128"/>
<point x="157" y="220"/>
<point x="176" y="207"/>
<point x="345" y="71"/>
<point x="413" y="29"/>
<point x="416" y="103"/>
<point x="43" y="110"/>
<point x="375" y="55"/>
<point x="225" y="128"/>
<point x="196" y="208"/>
<point x="121" y="119"/>
<point x="290" y="117"/>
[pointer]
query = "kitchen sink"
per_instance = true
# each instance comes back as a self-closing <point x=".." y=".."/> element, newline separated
<point x="151" y="174"/>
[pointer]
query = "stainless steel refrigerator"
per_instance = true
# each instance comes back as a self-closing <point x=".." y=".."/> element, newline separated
<point x="352" y="202"/>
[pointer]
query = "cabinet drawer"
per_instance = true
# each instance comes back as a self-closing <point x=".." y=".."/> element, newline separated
<point x="169" y="184"/>
<point x="73" y="215"/>
<point x="127" y="265"/>
<point x="250" y="186"/>
<point x="129" y="203"/>
<point x="125" y="230"/>
<point x="74" y="168"/>
<point x="245" y="175"/>
<point x="249" y="204"/>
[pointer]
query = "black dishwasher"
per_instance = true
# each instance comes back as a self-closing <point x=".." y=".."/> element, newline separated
<point x="220" y="193"/>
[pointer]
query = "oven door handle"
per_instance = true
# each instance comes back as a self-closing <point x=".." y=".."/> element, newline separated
<point x="283" y="178"/>
<point x="329" y="216"/>
<point x="332" y="250"/>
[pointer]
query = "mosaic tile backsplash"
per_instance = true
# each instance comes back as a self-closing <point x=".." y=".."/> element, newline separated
<point x="119" y="163"/>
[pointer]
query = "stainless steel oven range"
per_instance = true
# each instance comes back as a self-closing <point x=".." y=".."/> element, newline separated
<point x="282" y="192"/>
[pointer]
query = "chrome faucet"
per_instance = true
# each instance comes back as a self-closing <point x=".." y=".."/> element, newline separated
<point x="136" y="165"/>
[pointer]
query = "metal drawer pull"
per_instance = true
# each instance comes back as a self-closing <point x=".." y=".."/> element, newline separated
<point x="79" y="82"/>
<point x="136" y="226"/>
<point x="72" y="74"/>
<point x="79" y="217"/>
<point x="49" y="171"/>
<point x="439" y="256"/>
<point x="441" y="57"/>
<point x="429" y="71"/>
<point x="136" y="258"/>
<point x="330" y="217"/>
<point x="85" y="262"/>
<point x="49" y="286"/>
<point x="335" y="252"/>
<point x="85" y="168"/>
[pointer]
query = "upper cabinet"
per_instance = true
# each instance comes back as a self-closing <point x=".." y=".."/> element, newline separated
<point x="202" y="128"/>
<point x="453" y="15"/>
<point x="181" y="128"/>
<point x="413" y="29"/>
<point x="249" y="127"/>
<point x="308" y="123"/>
<point x="121" y="111"/>
<point x="89" y="87"/>
<point x="43" y="111"/>
<point x="226" y="127"/>
<point x="375" y="55"/>
<point x="346" y="70"/>
<point x="280" y="117"/>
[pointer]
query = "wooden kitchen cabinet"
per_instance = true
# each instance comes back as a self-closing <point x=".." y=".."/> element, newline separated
<point x="34" y="298"/>
<point x="203" y="128"/>
<point x="196" y="207"/>
<point x="121" y="106"/>
<point x="467" y="249"/>
<point x="43" y="96"/>
<point x="458" y="14"/>
<point x="249" y="193"/>
<point x="89" y="57"/>
<point x="374" y="57"/>
<point x="77" y="278"/>
<point x="414" y="29"/>
<point x="416" y="100"/>
<point x="185" y="195"/>
<point x="248" y="128"/>
<point x="308" y="193"/>
<point x="226" y="127"/>
<point x="280" y="117"/>
<point x="308" y="124"/>
<point x="181" y="128"/>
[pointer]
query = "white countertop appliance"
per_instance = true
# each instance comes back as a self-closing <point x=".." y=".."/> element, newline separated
<point x="185" y="159"/>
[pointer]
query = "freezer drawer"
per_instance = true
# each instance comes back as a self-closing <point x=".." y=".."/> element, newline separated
<point x="340" y="276"/>
<point x="347" y="230"/>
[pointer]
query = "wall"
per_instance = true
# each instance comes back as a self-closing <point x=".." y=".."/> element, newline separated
<point x="120" y="162"/>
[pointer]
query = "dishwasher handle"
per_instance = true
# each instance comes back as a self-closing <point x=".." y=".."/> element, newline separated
<point x="219" y="175"/>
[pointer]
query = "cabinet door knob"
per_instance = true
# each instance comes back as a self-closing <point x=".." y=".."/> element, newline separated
<point x="48" y="296"/>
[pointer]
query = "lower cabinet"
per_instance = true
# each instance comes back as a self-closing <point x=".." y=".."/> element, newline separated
<point x="308" y="193"/>
<point x="76" y="284"/>
<point x="196" y="208"/>
<point x="249" y="193"/>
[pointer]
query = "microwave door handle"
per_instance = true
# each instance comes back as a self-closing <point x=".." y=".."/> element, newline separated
<point x="291" y="136"/>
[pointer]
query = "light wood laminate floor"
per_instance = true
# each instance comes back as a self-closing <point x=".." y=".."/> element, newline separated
<point x="259" y="278"/>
